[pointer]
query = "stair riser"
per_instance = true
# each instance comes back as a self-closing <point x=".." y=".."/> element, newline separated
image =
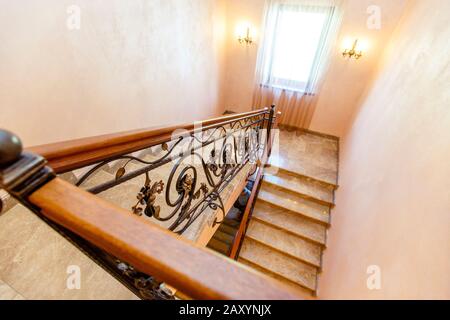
<point x="318" y="267"/>
<point x="301" y="176"/>
<point x="277" y="276"/>
<point x="302" y="274"/>
<point x="301" y="195"/>
<point x="303" y="237"/>
<point x="325" y="224"/>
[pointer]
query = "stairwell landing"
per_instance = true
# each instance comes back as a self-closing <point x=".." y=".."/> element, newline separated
<point x="287" y="232"/>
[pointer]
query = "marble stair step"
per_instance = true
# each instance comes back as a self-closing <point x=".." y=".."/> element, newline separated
<point x="231" y="222"/>
<point x="218" y="246"/>
<point x="308" y="154"/>
<point x="224" y="237"/>
<point x="228" y="229"/>
<point x="307" y="188"/>
<point x="292" y="202"/>
<point x="290" y="222"/>
<point x="277" y="262"/>
<point x="285" y="242"/>
<point x="274" y="169"/>
<point x="8" y="293"/>
<point x="303" y="291"/>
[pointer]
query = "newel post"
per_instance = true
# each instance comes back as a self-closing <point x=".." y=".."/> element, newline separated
<point x="270" y="124"/>
<point x="21" y="173"/>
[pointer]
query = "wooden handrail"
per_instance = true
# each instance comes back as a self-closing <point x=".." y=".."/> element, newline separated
<point x="75" y="154"/>
<point x="239" y="237"/>
<point x="197" y="272"/>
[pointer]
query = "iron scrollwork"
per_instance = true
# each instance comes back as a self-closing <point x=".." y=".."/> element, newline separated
<point x="204" y="163"/>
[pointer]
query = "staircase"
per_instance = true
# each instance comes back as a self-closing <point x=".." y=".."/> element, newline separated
<point x="287" y="233"/>
<point x="285" y="238"/>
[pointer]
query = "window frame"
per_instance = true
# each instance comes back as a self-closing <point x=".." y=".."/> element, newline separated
<point x="286" y="84"/>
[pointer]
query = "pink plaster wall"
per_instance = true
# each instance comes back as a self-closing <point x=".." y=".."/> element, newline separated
<point x="241" y="59"/>
<point x="132" y="64"/>
<point x="345" y="82"/>
<point x="393" y="206"/>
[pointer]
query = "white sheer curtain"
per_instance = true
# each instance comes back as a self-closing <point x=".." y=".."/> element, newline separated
<point x="297" y="40"/>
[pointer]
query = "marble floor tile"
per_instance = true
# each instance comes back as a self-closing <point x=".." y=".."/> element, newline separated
<point x="307" y="154"/>
<point x="34" y="261"/>
<point x="8" y="293"/>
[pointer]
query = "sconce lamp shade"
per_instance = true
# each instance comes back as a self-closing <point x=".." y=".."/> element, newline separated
<point x="352" y="49"/>
<point x="245" y="33"/>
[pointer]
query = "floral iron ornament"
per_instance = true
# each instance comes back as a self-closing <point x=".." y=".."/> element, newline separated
<point x="147" y="197"/>
<point x="198" y="177"/>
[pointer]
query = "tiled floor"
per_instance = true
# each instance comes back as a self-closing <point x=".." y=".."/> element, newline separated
<point x="34" y="260"/>
<point x="307" y="154"/>
<point x="8" y="293"/>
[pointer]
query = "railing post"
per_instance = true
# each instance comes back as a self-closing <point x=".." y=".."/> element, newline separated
<point x="21" y="173"/>
<point x="269" y="130"/>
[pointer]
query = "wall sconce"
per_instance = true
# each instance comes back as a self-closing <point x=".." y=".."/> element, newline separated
<point x="353" y="52"/>
<point x="244" y="33"/>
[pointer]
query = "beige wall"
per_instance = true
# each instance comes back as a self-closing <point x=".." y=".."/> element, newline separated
<point x="132" y="64"/>
<point x="346" y="80"/>
<point x="241" y="59"/>
<point x="393" y="206"/>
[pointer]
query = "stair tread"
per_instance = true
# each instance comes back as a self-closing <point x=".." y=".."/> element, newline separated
<point x="285" y="242"/>
<point x="227" y="229"/>
<point x="292" y="269"/>
<point x="276" y="276"/>
<point x="303" y="185"/>
<point x="231" y="222"/>
<point x="224" y="237"/>
<point x="218" y="246"/>
<point x="295" y="203"/>
<point x="307" y="154"/>
<point x="291" y="222"/>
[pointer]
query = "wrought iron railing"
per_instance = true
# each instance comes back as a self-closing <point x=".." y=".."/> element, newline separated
<point x="198" y="164"/>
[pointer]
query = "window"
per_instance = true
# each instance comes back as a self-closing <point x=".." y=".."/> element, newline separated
<point x="296" y="37"/>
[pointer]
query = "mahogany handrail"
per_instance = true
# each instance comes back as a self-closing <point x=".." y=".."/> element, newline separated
<point x="195" y="271"/>
<point x="74" y="154"/>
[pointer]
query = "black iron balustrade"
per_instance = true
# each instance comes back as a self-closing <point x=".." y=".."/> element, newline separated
<point x="204" y="162"/>
<point x="220" y="153"/>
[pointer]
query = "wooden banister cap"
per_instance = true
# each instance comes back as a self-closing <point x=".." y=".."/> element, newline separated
<point x="10" y="148"/>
